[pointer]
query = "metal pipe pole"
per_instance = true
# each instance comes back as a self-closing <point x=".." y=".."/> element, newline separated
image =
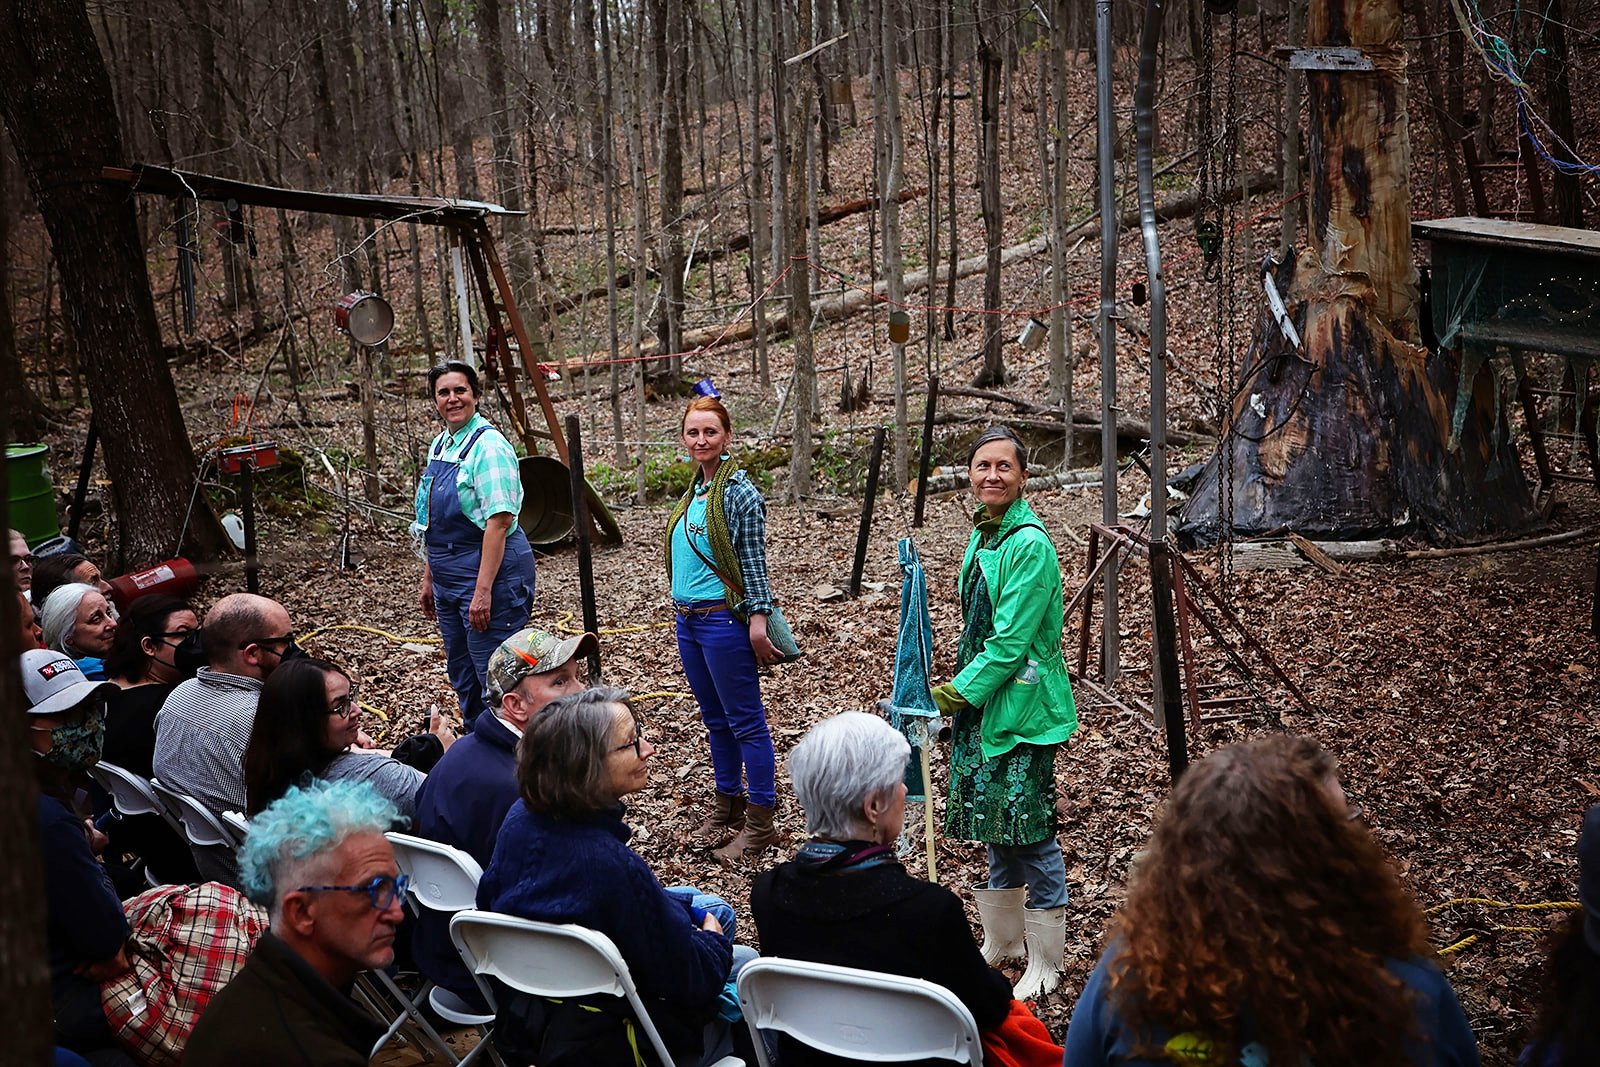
<point x="926" y="465"/>
<point x="874" y="465"/>
<point x="584" y="534"/>
<point x="1165" y="631"/>
<point x="1111" y="645"/>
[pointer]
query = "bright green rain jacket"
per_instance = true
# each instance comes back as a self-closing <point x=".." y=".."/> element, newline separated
<point x="1019" y="679"/>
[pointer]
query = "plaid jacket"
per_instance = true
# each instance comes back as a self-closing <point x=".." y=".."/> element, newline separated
<point x="188" y="942"/>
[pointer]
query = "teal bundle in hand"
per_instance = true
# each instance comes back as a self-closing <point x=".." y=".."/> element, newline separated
<point x="911" y="705"/>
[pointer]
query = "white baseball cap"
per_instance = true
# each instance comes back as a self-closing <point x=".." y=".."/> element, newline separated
<point x="53" y="683"/>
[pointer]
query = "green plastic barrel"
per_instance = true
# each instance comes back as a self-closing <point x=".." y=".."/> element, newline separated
<point x="32" y="497"/>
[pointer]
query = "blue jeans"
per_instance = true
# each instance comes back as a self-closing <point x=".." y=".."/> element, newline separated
<point x="1039" y="866"/>
<point x="467" y="651"/>
<point x="723" y="675"/>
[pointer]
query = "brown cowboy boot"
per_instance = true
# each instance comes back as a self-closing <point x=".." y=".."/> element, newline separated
<point x="758" y="834"/>
<point x="725" y="820"/>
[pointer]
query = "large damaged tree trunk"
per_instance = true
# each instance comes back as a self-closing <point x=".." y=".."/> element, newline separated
<point x="1350" y="433"/>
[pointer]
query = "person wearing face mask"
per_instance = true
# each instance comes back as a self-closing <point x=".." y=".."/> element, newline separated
<point x="204" y="725"/>
<point x="79" y="620"/>
<point x="86" y="930"/>
<point x="466" y="797"/>
<point x="157" y="646"/>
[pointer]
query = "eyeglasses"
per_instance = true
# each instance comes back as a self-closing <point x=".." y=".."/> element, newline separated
<point x="347" y="705"/>
<point x="637" y="744"/>
<point x="383" y="890"/>
<point x="181" y="634"/>
<point x="286" y="640"/>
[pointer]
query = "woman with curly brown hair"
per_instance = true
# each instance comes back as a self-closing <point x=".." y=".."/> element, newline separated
<point x="1264" y="926"/>
<point x="1567" y="1030"/>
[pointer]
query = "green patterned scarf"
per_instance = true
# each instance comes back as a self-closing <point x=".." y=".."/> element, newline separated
<point x="725" y="562"/>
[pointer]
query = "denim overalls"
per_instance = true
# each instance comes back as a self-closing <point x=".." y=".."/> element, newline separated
<point x="455" y="548"/>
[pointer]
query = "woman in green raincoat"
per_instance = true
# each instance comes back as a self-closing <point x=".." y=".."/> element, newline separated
<point x="1012" y="708"/>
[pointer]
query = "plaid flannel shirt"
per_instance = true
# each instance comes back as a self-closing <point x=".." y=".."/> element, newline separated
<point x="747" y="525"/>
<point x="188" y="942"/>
<point x="488" y="480"/>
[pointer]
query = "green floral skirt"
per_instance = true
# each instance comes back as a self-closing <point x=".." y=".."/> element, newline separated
<point x="1007" y="800"/>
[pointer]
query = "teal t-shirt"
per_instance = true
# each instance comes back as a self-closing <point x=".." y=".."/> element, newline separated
<point x="692" y="580"/>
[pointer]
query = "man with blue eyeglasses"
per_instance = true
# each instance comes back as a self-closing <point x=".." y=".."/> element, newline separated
<point x="318" y="860"/>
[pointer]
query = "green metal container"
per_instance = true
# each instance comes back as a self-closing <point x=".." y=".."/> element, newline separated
<point x="32" y="497"/>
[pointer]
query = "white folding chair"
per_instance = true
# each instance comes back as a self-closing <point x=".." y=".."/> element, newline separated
<point x="236" y="823"/>
<point x="131" y="794"/>
<point x="200" y="826"/>
<point x="859" y="1015"/>
<point x="547" y="960"/>
<point x="443" y="879"/>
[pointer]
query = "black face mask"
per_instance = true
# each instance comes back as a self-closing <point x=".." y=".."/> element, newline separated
<point x="189" y="654"/>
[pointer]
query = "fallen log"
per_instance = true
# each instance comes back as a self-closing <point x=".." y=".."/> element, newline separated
<point x="736" y="243"/>
<point x="840" y="305"/>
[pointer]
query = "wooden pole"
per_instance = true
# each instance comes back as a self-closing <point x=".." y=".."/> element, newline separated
<point x="873" y="466"/>
<point x="75" y="519"/>
<point x="926" y="466"/>
<point x="927" y="808"/>
<point x="1166" y="635"/>
<point x="581" y="529"/>
<point x="247" y="489"/>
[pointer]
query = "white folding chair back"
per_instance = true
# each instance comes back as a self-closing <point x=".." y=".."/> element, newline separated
<point x="202" y="828"/>
<point x="236" y="824"/>
<point x="860" y="1015"/>
<point x="443" y="878"/>
<point x="131" y="794"/>
<point x="548" y="960"/>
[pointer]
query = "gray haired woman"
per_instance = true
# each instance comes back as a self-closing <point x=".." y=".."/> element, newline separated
<point x="844" y="899"/>
<point x="563" y="857"/>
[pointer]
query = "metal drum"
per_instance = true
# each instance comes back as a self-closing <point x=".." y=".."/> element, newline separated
<point x="366" y="317"/>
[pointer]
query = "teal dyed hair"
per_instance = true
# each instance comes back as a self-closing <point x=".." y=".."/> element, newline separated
<point x="307" y="821"/>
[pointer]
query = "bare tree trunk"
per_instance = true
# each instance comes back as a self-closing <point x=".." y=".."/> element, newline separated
<point x="668" y="25"/>
<point x="1351" y="434"/>
<point x="1558" y="95"/>
<point x="57" y="104"/>
<point x="1059" y="146"/>
<point x="892" y="177"/>
<point x="803" y="386"/>
<point x="1289" y="143"/>
<point x="989" y="63"/>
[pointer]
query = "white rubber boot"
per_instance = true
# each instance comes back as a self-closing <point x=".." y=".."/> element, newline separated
<point x="1000" y="910"/>
<point x="1045" y="931"/>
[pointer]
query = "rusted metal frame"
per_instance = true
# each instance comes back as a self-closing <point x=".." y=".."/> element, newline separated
<point x="1180" y="597"/>
<point x="1089" y="567"/>
<point x="1138" y="709"/>
<point x="497" y="340"/>
<point x="532" y="356"/>
<point x="1249" y="639"/>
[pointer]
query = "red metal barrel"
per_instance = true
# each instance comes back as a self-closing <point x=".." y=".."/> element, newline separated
<point x="174" y="577"/>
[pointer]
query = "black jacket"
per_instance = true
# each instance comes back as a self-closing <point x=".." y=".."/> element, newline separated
<point x="878" y="918"/>
<point x="279" y="1012"/>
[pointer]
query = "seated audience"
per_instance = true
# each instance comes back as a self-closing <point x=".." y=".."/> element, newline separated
<point x="317" y="858"/>
<point x="1567" y="1030"/>
<point x="563" y="857"/>
<point x="21" y="561"/>
<point x="305" y="728"/>
<point x="844" y="899"/>
<point x="78" y="620"/>
<point x="204" y="725"/>
<point x="32" y="633"/>
<point x="86" y="931"/>
<point x="466" y="797"/>
<point x="64" y="568"/>
<point x="1264" y="925"/>
<point x="157" y="646"/>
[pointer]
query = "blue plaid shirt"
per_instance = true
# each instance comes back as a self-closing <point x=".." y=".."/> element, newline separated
<point x="747" y="524"/>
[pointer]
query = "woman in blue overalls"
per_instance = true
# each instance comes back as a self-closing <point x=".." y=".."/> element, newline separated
<point x="478" y="577"/>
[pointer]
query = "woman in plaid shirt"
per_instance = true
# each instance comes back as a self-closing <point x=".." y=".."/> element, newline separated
<point x="478" y="579"/>
<point x="716" y="548"/>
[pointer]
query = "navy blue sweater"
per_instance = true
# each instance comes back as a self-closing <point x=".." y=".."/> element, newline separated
<point x="85" y="919"/>
<point x="582" y="871"/>
<point x="462" y="803"/>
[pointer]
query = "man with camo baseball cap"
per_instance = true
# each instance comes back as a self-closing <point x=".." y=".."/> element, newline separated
<point x="466" y="796"/>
